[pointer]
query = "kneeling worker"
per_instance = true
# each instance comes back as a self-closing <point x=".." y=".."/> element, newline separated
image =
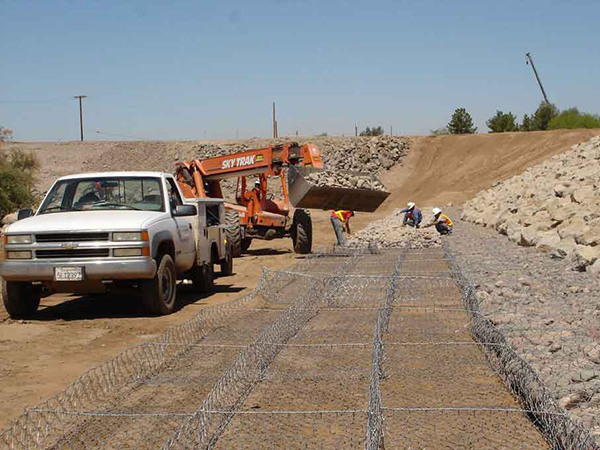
<point x="412" y="215"/>
<point x="442" y="222"/>
<point x="339" y="219"/>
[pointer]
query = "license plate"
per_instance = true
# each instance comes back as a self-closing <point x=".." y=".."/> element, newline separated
<point x="68" y="274"/>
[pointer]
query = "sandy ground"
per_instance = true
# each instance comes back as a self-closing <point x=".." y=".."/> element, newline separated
<point x="73" y="334"/>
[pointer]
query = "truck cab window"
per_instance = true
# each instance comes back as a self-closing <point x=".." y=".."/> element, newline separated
<point x="174" y="197"/>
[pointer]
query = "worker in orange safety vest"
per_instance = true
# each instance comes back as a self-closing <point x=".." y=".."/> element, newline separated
<point x="340" y="219"/>
<point x="443" y="223"/>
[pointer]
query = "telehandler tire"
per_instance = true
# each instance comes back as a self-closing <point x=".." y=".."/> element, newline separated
<point x="21" y="300"/>
<point x="233" y="231"/>
<point x="160" y="293"/>
<point x="302" y="232"/>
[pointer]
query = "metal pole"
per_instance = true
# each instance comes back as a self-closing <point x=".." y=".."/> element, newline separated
<point x="80" y="97"/>
<point x="537" y="77"/>
<point x="355" y="130"/>
<point x="274" y="122"/>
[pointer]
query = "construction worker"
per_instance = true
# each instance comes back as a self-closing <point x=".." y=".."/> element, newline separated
<point x="442" y="222"/>
<point x="339" y="220"/>
<point x="412" y="215"/>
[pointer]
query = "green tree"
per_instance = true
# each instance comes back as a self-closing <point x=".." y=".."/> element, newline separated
<point x="526" y="125"/>
<point x="543" y="115"/>
<point x="17" y="178"/>
<point x="502" y="122"/>
<point x="461" y="122"/>
<point x="375" y="131"/>
<point x="571" y="118"/>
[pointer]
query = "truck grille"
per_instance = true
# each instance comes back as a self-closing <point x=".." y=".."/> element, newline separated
<point x="73" y="253"/>
<point x="71" y="237"/>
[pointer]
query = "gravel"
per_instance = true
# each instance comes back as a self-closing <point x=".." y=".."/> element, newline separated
<point x="548" y="312"/>
<point x="391" y="233"/>
<point x="331" y="178"/>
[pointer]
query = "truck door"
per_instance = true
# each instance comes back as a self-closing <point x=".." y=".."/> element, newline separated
<point x="185" y="249"/>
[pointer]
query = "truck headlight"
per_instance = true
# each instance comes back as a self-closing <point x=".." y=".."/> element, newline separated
<point x="127" y="236"/>
<point x="18" y="239"/>
<point x="19" y="255"/>
<point x="119" y="252"/>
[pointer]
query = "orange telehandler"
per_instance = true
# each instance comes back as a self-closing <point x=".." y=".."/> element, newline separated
<point x="255" y="215"/>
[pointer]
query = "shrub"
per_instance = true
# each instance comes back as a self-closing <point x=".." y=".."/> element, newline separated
<point x="572" y="118"/>
<point x="502" y="122"/>
<point x="16" y="181"/>
<point x="461" y="122"/>
<point x="375" y="131"/>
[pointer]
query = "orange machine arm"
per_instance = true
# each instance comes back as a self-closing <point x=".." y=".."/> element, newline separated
<point x="269" y="161"/>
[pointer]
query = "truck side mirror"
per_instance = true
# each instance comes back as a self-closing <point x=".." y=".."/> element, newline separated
<point x="24" y="213"/>
<point x="184" y="210"/>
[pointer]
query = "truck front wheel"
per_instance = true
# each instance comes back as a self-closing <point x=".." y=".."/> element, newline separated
<point x="160" y="293"/>
<point x="21" y="300"/>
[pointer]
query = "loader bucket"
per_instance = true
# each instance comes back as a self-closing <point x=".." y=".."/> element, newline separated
<point x="304" y="194"/>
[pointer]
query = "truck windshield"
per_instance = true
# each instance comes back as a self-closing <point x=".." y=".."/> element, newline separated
<point x="105" y="193"/>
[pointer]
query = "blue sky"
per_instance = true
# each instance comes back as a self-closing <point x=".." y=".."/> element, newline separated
<point x="211" y="69"/>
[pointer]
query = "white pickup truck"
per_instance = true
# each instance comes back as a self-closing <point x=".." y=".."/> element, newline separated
<point x="113" y="232"/>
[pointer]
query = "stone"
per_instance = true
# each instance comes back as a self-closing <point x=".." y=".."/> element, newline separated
<point x="590" y="237"/>
<point x="548" y="240"/>
<point x="592" y="352"/>
<point x="584" y="256"/>
<point x="570" y="401"/>
<point x="529" y="237"/>
<point x="583" y="194"/>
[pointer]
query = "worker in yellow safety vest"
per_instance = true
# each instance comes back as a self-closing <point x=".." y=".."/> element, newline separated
<point x="443" y="223"/>
<point x="340" y="219"/>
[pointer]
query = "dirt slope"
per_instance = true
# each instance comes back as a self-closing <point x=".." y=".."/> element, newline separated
<point x="444" y="169"/>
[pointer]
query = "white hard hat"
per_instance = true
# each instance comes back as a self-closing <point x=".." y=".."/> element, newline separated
<point x="436" y="211"/>
<point x="257" y="183"/>
<point x="410" y="205"/>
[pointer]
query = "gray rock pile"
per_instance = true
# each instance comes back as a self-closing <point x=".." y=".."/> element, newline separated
<point x="331" y="178"/>
<point x="548" y="313"/>
<point x="554" y="206"/>
<point x="363" y="154"/>
<point x="391" y="233"/>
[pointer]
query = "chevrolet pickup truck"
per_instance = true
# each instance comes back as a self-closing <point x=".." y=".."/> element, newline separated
<point x="113" y="232"/>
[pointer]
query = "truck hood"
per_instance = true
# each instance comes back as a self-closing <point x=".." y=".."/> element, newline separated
<point x="86" y="221"/>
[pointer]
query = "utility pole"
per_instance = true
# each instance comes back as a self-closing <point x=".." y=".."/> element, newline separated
<point x="80" y="97"/>
<point x="274" y="122"/>
<point x="355" y="130"/>
<point x="537" y="77"/>
<point x="391" y="130"/>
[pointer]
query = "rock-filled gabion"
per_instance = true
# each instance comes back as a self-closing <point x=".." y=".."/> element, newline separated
<point x="331" y="178"/>
<point x="554" y="206"/>
<point x="391" y="233"/>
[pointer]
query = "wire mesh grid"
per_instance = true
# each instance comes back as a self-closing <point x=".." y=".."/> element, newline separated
<point x="347" y="349"/>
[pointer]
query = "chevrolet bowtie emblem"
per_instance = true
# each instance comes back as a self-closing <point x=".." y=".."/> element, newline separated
<point x="69" y="245"/>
